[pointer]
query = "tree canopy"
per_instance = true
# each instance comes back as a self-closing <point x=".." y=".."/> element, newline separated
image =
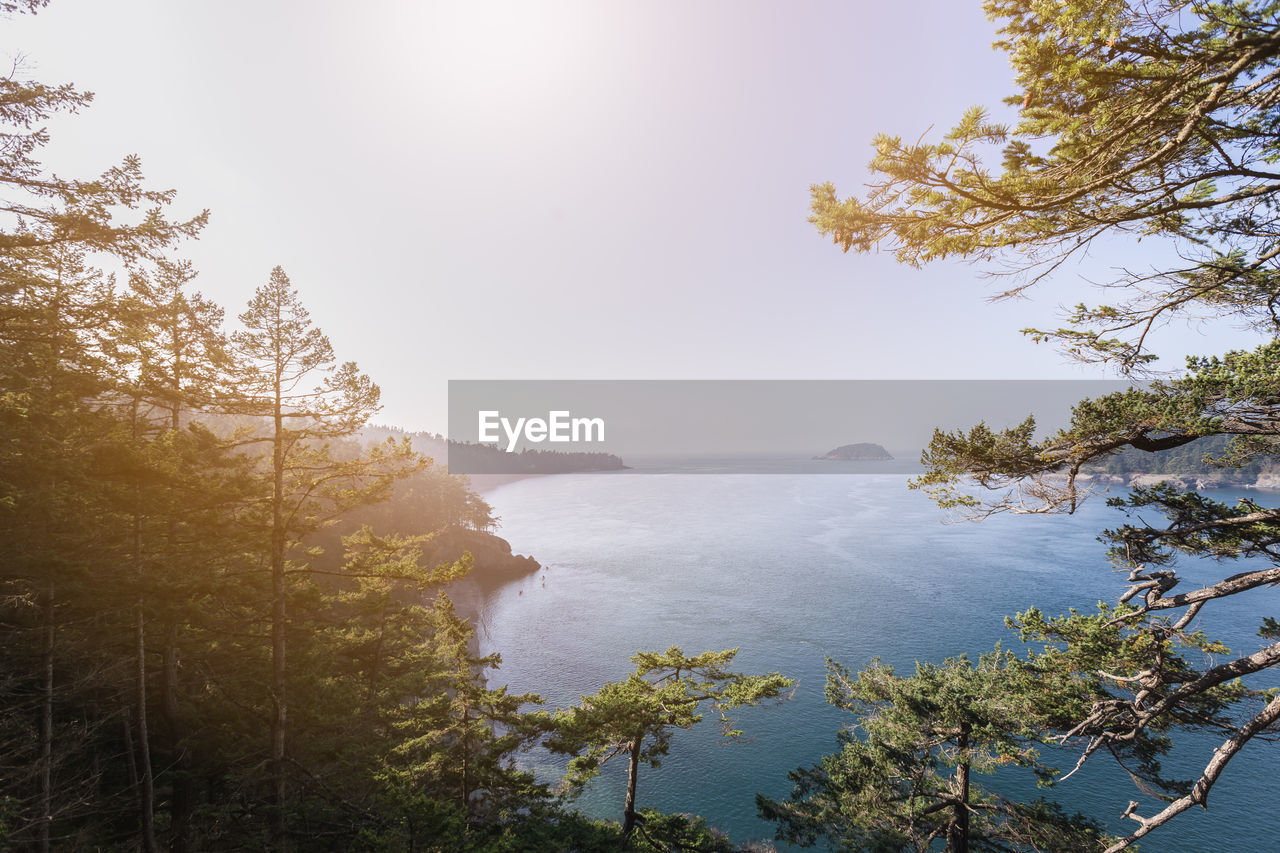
<point x="904" y="776"/>
<point x="1135" y="119"/>
<point x="638" y="716"/>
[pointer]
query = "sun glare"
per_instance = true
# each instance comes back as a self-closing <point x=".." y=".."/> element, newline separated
<point x="504" y="55"/>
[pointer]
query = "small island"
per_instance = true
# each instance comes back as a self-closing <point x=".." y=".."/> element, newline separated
<point x="863" y="452"/>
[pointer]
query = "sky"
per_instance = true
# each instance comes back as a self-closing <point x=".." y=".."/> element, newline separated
<point x="557" y="190"/>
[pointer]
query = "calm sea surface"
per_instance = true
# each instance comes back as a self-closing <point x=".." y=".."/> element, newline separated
<point x="795" y="568"/>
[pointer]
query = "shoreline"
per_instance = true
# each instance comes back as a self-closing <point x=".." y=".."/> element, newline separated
<point x="1266" y="482"/>
<point x="483" y="484"/>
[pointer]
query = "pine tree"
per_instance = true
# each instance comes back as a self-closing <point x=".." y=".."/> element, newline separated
<point x="1152" y="120"/>
<point x="287" y="375"/>
<point x="904" y="778"/>
<point x="53" y="368"/>
<point x="170" y="361"/>
<point x="449" y="769"/>
<point x="57" y="516"/>
<point x="638" y="716"/>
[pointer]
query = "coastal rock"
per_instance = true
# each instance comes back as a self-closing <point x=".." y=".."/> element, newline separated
<point x="1087" y="479"/>
<point x="1269" y="481"/>
<point x="863" y="451"/>
<point x="1140" y="480"/>
<point x="1212" y="481"/>
<point x="494" y="562"/>
<point x="494" y="565"/>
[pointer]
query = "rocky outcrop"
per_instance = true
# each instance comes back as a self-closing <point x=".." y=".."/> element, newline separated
<point x="493" y="565"/>
<point x="1143" y="480"/>
<point x="1266" y="481"/>
<point x="494" y="562"/>
<point x="1102" y="479"/>
<point x="1269" y="481"/>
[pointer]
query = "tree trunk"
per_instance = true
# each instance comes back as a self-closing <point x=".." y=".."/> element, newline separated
<point x="130" y="754"/>
<point x="958" y="840"/>
<point x="183" y="795"/>
<point x="633" y="769"/>
<point x="465" y="792"/>
<point x="280" y="717"/>
<point x="46" y="725"/>
<point x="147" y="788"/>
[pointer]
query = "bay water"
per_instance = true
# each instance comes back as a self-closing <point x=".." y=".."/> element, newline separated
<point x="795" y="568"/>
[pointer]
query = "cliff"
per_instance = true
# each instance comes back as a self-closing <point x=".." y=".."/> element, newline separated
<point x="494" y="562"/>
<point x="494" y="565"/>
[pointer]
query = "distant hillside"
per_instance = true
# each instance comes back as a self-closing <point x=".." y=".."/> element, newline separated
<point x="1185" y="466"/>
<point x="863" y="451"/>
<point x="486" y="459"/>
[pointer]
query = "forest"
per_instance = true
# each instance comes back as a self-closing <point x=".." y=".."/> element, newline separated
<point x="224" y="614"/>
<point x="225" y="620"/>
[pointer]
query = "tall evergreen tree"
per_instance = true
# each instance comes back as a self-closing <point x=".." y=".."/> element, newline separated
<point x="170" y="359"/>
<point x="287" y="375"/>
<point x="51" y="226"/>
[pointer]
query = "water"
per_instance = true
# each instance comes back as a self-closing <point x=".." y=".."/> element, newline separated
<point x="793" y="569"/>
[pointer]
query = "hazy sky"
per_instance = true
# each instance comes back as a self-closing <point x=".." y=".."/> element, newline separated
<point x="554" y="189"/>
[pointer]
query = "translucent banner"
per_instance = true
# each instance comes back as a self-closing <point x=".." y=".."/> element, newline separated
<point x="734" y="426"/>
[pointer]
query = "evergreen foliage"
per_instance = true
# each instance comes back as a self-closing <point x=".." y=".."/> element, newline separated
<point x="1136" y="120"/>
<point x="218" y="628"/>
<point x="904" y="776"/>
<point x="637" y="717"/>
